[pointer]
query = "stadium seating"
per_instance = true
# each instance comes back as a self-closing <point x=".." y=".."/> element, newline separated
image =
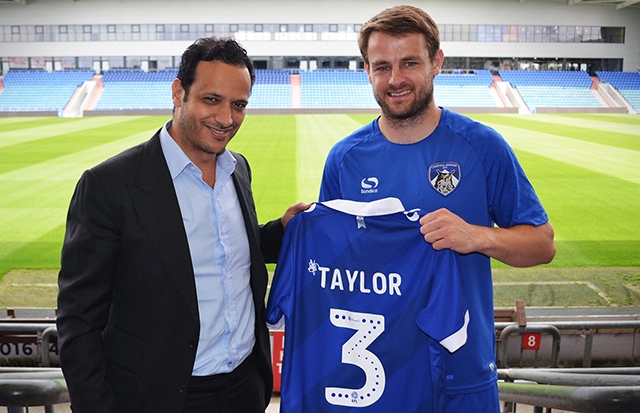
<point x="38" y="90"/>
<point x="627" y="83"/>
<point x="135" y="89"/>
<point x="351" y="89"/>
<point x="336" y="89"/>
<point x="464" y="90"/>
<point x="553" y="89"/>
<point x="272" y="89"/>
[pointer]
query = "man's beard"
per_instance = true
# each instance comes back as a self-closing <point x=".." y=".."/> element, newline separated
<point x="415" y="111"/>
<point x="191" y="136"/>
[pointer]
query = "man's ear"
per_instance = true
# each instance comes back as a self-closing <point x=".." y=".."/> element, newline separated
<point x="437" y="62"/>
<point x="366" y="68"/>
<point x="177" y="93"/>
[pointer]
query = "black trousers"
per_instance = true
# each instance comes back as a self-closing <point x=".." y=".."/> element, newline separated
<point x="234" y="392"/>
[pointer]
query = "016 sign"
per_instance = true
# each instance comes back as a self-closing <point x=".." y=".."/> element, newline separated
<point x="531" y="341"/>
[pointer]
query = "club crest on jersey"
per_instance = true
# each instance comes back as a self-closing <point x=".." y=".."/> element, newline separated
<point x="444" y="177"/>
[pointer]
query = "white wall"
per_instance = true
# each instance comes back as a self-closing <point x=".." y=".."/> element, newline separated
<point x="507" y="12"/>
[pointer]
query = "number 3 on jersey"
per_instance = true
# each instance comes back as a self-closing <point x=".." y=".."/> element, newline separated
<point x="368" y="327"/>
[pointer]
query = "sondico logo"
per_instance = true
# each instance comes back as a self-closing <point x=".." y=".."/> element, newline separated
<point x="369" y="185"/>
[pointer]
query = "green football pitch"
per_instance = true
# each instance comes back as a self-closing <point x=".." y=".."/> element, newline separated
<point x="585" y="168"/>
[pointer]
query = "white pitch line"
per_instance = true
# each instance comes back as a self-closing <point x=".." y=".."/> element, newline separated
<point x="587" y="283"/>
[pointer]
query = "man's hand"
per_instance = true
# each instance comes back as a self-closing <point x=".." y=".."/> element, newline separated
<point x="292" y="211"/>
<point x="519" y="246"/>
<point x="445" y="230"/>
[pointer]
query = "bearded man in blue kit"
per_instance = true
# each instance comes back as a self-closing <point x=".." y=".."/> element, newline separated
<point x="482" y="204"/>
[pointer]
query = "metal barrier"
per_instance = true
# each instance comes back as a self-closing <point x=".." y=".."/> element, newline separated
<point x="26" y="332"/>
<point x="21" y="387"/>
<point x="614" y="390"/>
<point x="536" y="331"/>
<point x="586" y="329"/>
<point x="580" y="389"/>
<point x="611" y="390"/>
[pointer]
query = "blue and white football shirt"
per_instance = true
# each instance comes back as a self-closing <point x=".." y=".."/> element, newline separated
<point x="369" y="310"/>
<point x="463" y="166"/>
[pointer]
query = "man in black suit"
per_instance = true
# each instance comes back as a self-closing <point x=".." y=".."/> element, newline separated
<point x="162" y="282"/>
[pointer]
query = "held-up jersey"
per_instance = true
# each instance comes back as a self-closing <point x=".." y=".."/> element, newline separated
<point x="369" y="309"/>
<point x="463" y="166"/>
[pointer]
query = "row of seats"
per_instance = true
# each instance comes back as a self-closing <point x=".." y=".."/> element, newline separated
<point x="135" y="89"/>
<point x="38" y="90"/>
<point x="621" y="80"/>
<point x="517" y="78"/>
<point x="479" y="78"/>
<point x="558" y="97"/>
<point x="473" y="96"/>
<point x="138" y="76"/>
<point x="553" y="89"/>
<point x="633" y="97"/>
<point x="40" y="77"/>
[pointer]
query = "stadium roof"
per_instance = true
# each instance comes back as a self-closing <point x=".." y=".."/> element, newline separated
<point x="619" y="4"/>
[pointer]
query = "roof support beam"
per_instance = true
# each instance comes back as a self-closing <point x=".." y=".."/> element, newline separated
<point x="626" y="4"/>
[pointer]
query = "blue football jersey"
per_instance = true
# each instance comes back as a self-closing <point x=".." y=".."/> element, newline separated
<point x="370" y="309"/>
<point x="465" y="167"/>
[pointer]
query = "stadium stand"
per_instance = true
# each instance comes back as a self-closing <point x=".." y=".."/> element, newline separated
<point x="351" y="89"/>
<point x="464" y="90"/>
<point x="627" y="83"/>
<point x="38" y="90"/>
<point x="330" y="88"/>
<point x="135" y="89"/>
<point x="553" y="89"/>
<point x="272" y="89"/>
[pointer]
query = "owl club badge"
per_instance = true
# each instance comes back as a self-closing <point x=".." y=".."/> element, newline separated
<point x="444" y="176"/>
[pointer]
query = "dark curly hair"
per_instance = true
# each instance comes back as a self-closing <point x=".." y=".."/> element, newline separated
<point x="208" y="49"/>
<point x="398" y="21"/>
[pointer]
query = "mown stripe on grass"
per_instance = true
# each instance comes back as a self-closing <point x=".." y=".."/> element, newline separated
<point x="610" y="134"/>
<point x="9" y="120"/>
<point x="613" y="161"/>
<point x="42" y="252"/>
<point x="269" y="144"/>
<point x="605" y="124"/>
<point x="31" y="123"/>
<point x="618" y="118"/>
<point x="316" y="135"/>
<point x="35" y="198"/>
<point x="59" y="127"/>
<point x="31" y="152"/>
<point x="71" y="165"/>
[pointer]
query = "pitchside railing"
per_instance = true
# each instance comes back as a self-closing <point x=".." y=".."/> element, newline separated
<point x="539" y="379"/>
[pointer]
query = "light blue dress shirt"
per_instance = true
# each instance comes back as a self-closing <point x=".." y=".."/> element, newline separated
<point x="221" y="259"/>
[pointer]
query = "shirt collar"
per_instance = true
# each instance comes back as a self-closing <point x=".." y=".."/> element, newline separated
<point x="177" y="160"/>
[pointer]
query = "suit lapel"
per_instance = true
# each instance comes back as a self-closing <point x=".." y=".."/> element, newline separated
<point x="157" y="206"/>
<point x="242" y="182"/>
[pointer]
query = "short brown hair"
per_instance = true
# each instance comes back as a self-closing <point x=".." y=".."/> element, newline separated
<point x="398" y="21"/>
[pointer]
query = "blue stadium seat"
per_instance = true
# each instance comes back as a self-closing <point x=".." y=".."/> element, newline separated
<point x="329" y="88"/>
<point x="38" y="90"/>
<point x="272" y="89"/>
<point x="135" y="89"/>
<point x="553" y="89"/>
<point x="627" y="83"/>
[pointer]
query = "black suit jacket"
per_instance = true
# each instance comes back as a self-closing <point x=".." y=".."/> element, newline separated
<point x="128" y="319"/>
